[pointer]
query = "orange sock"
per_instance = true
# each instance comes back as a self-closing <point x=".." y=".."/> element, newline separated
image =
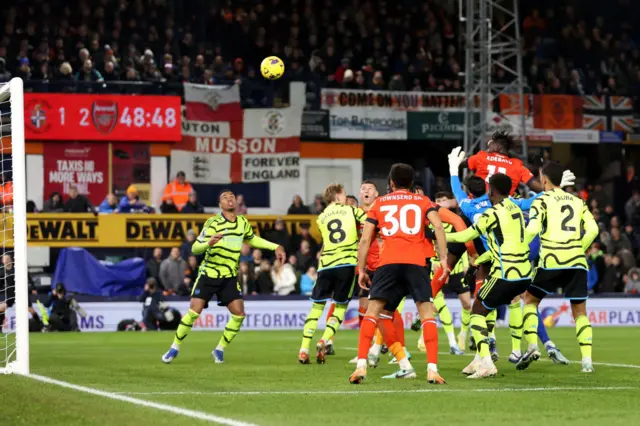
<point x="398" y="324"/>
<point x="398" y="351"/>
<point x="361" y="313"/>
<point x="331" y="309"/>
<point x="437" y="282"/>
<point x="388" y="331"/>
<point x="368" y="329"/>
<point x="379" y="340"/>
<point x="478" y="285"/>
<point x="430" y="335"/>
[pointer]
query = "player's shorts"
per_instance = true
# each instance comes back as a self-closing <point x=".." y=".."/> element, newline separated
<point x="572" y="281"/>
<point x="496" y="292"/>
<point x="361" y="291"/>
<point x="226" y="290"/>
<point x="457" y="284"/>
<point x="395" y="281"/>
<point x="457" y="249"/>
<point x="335" y="283"/>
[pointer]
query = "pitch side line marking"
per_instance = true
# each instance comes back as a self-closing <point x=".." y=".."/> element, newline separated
<point x="382" y="391"/>
<point x="605" y="364"/>
<point x="200" y="415"/>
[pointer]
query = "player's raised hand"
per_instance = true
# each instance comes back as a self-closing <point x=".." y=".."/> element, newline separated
<point x="281" y="255"/>
<point x="364" y="281"/>
<point x="568" y="179"/>
<point x="215" y="238"/>
<point x="456" y="157"/>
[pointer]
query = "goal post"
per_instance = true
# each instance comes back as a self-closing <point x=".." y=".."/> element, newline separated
<point x="14" y="353"/>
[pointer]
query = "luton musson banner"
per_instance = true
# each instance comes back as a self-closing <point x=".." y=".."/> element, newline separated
<point x="131" y="230"/>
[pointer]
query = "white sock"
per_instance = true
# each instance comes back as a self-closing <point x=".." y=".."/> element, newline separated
<point x="517" y="353"/>
<point x="452" y="339"/>
<point x="361" y="364"/>
<point x="404" y="364"/>
<point x="432" y="367"/>
<point x="304" y="350"/>
<point x="550" y="345"/>
<point x="477" y="357"/>
<point x="406" y="351"/>
<point x="375" y="349"/>
<point x="487" y="361"/>
<point x="174" y="346"/>
<point x="586" y="360"/>
<point x="533" y="347"/>
<point x="219" y="348"/>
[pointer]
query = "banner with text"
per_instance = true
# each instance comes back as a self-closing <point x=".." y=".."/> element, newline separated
<point x="131" y="230"/>
<point x="291" y="314"/>
<point x="384" y="100"/>
<point x="83" y="165"/>
<point x="431" y="125"/>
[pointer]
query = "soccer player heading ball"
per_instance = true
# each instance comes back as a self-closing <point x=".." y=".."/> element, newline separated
<point x="401" y="217"/>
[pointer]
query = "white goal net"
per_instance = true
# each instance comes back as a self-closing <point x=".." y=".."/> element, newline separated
<point x="14" y="297"/>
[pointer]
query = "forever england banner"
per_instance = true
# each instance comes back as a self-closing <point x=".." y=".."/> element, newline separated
<point x="219" y="146"/>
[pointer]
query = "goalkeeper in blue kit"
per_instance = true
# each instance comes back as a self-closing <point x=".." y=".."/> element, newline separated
<point x="220" y="241"/>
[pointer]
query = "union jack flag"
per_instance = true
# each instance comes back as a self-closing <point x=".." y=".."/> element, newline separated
<point x="608" y="113"/>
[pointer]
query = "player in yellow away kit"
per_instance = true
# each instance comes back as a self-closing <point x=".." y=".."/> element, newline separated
<point x="559" y="218"/>
<point x="336" y="280"/>
<point x="510" y="272"/>
<point x="220" y="240"/>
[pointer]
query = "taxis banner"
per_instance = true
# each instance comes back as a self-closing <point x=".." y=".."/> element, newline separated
<point x="132" y="230"/>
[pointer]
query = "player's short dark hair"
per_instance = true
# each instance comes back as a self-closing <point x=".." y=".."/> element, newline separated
<point x="445" y="194"/>
<point x="369" y="182"/>
<point x="504" y="138"/>
<point x="553" y="171"/>
<point x="501" y="183"/>
<point x="224" y="191"/>
<point x="352" y="197"/>
<point x="476" y="186"/>
<point x="402" y="175"/>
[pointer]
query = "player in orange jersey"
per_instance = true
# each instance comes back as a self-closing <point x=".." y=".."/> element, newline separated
<point x="400" y="218"/>
<point x="496" y="159"/>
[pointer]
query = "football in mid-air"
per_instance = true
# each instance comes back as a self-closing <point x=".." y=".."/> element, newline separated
<point x="272" y="68"/>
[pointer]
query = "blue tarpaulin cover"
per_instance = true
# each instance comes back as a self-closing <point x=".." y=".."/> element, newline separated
<point x="82" y="273"/>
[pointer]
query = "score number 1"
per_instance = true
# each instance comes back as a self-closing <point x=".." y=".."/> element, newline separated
<point x="492" y="171"/>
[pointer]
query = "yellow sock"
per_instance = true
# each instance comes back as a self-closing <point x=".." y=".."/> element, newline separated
<point x="491" y="323"/>
<point x="401" y="305"/>
<point x="231" y="330"/>
<point x="584" y="333"/>
<point x="185" y="327"/>
<point x="310" y="324"/>
<point x="334" y="322"/>
<point x="515" y="326"/>
<point x="465" y="319"/>
<point x="379" y="340"/>
<point x="480" y="334"/>
<point x="530" y="325"/>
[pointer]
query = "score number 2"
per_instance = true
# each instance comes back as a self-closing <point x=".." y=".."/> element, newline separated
<point x="492" y="171"/>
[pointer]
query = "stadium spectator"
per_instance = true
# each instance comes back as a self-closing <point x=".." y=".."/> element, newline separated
<point x="178" y="191"/>
<point x="88" y="73"/>
<point x="304" y="235"/>
<point x="168" y="207"/>
<point x="246" y="278"/>
<point x="6" y="190"/>
<point x="632" y="209"/>
<point x="242" y="207"/>
<point x="193" y="205"/>
<point x="279" y="234"/>
<point x="257" y="261"/>
<point x="109" y="204"/>
<point x="131" y="202"/>
<point x="318" y="205"/>
<point x="191" y="274"/>
<point x="54" y="204"/>
<point x="77" y="203"/>
<point x="632" y="281"/>
<point x="298" y="207"/>
<point x="308" y="280"/>
<point x="65" y="73"/>
<point x="185" y="248"/>
<point x="245" y="254"/>
<point x="110" y="73"/>
<point x="612" y="276"/>
<point x="619" y="241"/>
<point x="172" y="272"/>
<point x="4" y="74"/>
<point x="264" y="284"/>
<point x="305" y="258"/>
<point x="153" y="266"/>
<point x="283" y="278"/>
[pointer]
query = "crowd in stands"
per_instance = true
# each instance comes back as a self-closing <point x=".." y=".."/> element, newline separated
<point x="374" y="44"/>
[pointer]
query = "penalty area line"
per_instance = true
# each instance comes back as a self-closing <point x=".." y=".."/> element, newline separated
<point x="384" y="391"/>
<point x="605" y="364"/>
<point x="200" y="415"/>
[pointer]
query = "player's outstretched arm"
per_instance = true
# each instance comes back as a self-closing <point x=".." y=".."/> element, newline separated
<point x="260" y="243"/>
<point x="535" y="185"/>
<point x="447" y="216"/>
<point x="368" y="234"/>
<point x="590" y="228"/>
<point x="536" y="217"/>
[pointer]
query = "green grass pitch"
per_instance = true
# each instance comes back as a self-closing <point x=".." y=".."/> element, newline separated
<point x="261" y="383"/>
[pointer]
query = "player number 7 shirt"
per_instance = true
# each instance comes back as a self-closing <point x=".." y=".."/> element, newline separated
<point x="400" y="217"/>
